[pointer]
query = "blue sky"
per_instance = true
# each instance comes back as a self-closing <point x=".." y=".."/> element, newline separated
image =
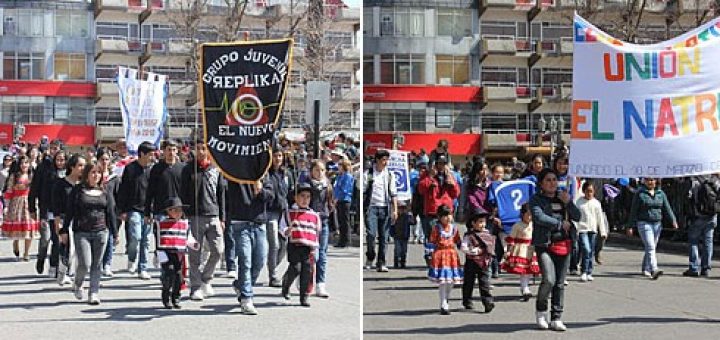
<point x="353" y="3"/>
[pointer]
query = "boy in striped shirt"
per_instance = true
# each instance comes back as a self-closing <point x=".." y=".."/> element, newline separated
<point x="302" y="232"/>
<point x="172" y="242"/>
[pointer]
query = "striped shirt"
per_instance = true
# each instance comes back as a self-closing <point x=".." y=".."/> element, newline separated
<point x="304" y="227"/>
<point x="173" y="235"/>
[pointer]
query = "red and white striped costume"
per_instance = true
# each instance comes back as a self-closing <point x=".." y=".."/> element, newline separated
<point x="305" y="224"/>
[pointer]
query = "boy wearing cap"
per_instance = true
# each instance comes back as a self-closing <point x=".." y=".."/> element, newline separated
<point x="400" y="232"/>
<point x="304" y="224"/>
<point x="479" y="247"/>
<point x="173" y="240"/>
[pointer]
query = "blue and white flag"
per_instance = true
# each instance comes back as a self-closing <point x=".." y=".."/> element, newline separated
<point x="509" y="196"/>
<point x="398" y="166"/>
<point x="144" y="107"/>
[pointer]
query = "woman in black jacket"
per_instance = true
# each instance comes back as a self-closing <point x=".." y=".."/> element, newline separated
<point x="59" y="198"/>
<point x="111" y="184"/>
<point x="553" y="231"/>
<point x="92" y="217"/>
<point x="47" y="231"/>
<point x="322" y="204"/>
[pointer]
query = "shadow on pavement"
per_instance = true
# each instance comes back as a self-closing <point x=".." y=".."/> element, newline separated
<point x="483" y="327"/>
<point x="405" y="278"/>
<point x="650" y="319"/>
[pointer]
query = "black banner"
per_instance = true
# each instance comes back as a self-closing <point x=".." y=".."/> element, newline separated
<point x="242" y="92"/>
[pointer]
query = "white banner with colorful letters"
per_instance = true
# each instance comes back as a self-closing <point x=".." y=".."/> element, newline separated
<point x="645" y="110"/>
<point x="143" y="105"/>
<point x="398" y="165"/>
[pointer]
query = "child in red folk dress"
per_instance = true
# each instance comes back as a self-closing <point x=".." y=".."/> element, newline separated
<point x="520" y="256"/>
<point x="445" y="268"/>
<point x="18" y="222"/>
<point x="478" y="244"/>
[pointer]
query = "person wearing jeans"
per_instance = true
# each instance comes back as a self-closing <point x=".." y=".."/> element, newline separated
<point x="92" y="216"/>
<point x="701" y="232"/>
<point x="322" y="203"/>
<point x="592" y="222"/>
<point x="247" y="214"/>
<point x="553" y="232"/>
<point x="379" y="195"/>
<point x="131" y="201"/>
<point x="649" y="205"/>
<point x="282" y="183"/>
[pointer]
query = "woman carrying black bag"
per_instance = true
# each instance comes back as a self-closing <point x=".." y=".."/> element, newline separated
<point x="553" y="232"/>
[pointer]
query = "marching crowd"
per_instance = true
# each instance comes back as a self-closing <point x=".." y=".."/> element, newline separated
<point x="173" y="203"/>
<point x="527" y="220"/>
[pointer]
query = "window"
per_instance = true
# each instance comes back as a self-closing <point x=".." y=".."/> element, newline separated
<point x="503" y="29"/>
<point x="24" y="22"/>
<point x="454" y="22"/>
<point x="368" y="70"/>
<point x="402" y="69"/>
<point x="452" y="69"/>
<point x="71" y="24"/>
<point x="120" y="30"/>
<point x="503" y="122"/>
<point x="505" y="75"/>
<point x="24" y="66"/>
<point x="550" y="31"/>
<point x="22" y="109"/>
<point x="367" y="21"/>
<point x="69" y="66"/>
<point x="404" y="22"/>
<point x="394" y="117"/>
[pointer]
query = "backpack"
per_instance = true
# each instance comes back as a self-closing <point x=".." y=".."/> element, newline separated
<point x="707" y="200"/>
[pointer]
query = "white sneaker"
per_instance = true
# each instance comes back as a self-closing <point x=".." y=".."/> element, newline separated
<point x="321" y="292"/>
<point x="52" y="272"/>
<point x="584" y="277"/>
<point x="94" y="299"/>
<point x="66" y="281"/>
<point x="232" y="274"/>
<point x="144" y="275"/>
<point x="647" y="274"/>
<point x="368" y="265"/>
<point x="77" y="291"/>
<point x="590" y="278"/>
<point x="61" y="275"/>
<point x="207" y="290"/>
<point x="197" y="295"/>
<point x="525" y="291"/>
<point x="558" y="325"/>
<point x="132" y="267"/>
<point x="107" y="272"/>
<point x="247" y="307"/>
<point x="541" y="318"/>
<point x="566" y="282"/>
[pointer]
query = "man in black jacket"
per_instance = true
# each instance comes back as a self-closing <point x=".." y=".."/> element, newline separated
<point x="247" y="206"/>
<point x="131" y="204"/>
<point x="203" y="191"/>
<point x="40" y="191"/>
<point x="164" y="181"/>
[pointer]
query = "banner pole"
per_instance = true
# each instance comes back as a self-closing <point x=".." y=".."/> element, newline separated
<point x="316" y="118"/>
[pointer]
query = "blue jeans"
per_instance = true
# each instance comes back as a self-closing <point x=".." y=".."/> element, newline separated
<point x="553" y="269"/>
<point x="586" y="242"/>
<point x="401" y="249"/>
<point x="701" y="229"/>
<point x="251" y="249"/>
<point x="230" y="263"/>
<point x="321" y="253"/>
<point x="109" y="249"/>
<point x="139" y="233"/>
<point x="650" y="234"/>
<point x="377" y="226"/>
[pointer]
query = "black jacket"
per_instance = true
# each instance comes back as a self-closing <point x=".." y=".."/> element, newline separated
<point x="112" y="187"/>
<point x="322" y="197"/>
<point x="283" y="185"/>
<point x="75" y="210"/>
<point x="133" y="188"/>
<point x="201" y="196"/>
<point x="548" y="215"/>
<point x="60" y="193"/>
<point x="244" y="205"/>
<point x="41" y="187"/>
<point x="164" y="183"/>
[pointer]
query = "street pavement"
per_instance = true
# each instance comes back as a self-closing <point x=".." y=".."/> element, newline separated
<point x="618" y="304"/>
<point x="35" y="307"/>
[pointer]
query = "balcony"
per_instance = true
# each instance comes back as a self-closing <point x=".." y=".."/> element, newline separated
<point x="116" y="51"/>
<point x="182" y="89"/>
<point x="571" y="3"/>
<point x="500" y="44"/>
<point x="694" y="5"/>
<point x="566" y="45"/>
<point x="170" y="53"/>
<point x="566" y="91"/>
<point x="348" y="14"/>
<point x="350" y="53"/>
<point x="499" y="140"/>
<point x="506" y="92"/>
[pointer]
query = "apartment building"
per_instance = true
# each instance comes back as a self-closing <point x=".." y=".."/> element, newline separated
<point x="47" y="78"/>
<point x="142" y="34"/>
<point x="60" y="61"/>
<point x="483" y="74"/>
